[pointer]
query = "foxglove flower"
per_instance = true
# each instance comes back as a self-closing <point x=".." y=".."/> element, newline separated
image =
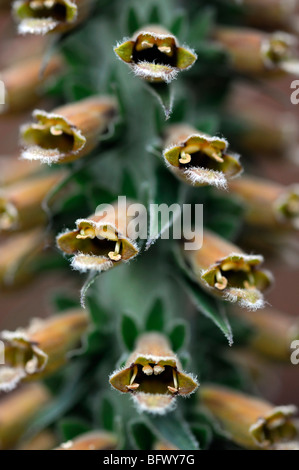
<point x="272" y="14"/>
<point x="272" y="332"/>
<point x="47" y="16"/>
<point x="101" y="241"/>
<point x="258" y="53"/>
<point x="248" y="421"/>
<point x="69" y="132"/>
<point x="17" y="411"/>
<point x="199" y="159"/>
<point x="21" y="202"/>
<point x="153" y="375"/>
<point x="12" y="169"/>
<point x="40" y="349"/>
<point x="154" y="54"/>
<point x="23" y="82"/>
<point x="227" y="272"/>
<point x="268" y="204"/>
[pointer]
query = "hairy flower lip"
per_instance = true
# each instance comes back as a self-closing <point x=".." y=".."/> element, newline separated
<point x="99" y="242"/>
<point x="69" y="132"/>
<point x="286" y="206"/>
<point x="93" y="440"/>
<point x="154" y="54"/>
<point x="41" y="348"/>
<point x="227" y="272"/>
<point x="213" y="163"/>
<point x="249" y="421"/>
<point x="153" y="375"/>
<point x="47" y="16"/>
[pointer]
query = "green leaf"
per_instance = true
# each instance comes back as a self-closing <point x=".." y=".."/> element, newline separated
<point x="155" y="319"/>
<point x="129" y="331"/>
<point x="107" y="414"/>
<point x="164" y="93"/>
<point x="201" y="26"/>
<point x="179" y="24"/>
<point x="203" y="434"/>
<point x="62" y="302"/>
<point x="173" y="429"/>
<point x="72" y="427"/>
<point x="209" y="307"/>
<point x="178" y="334"/>
<point x="98" y="314"/>
<point x="133" y="23"/>
<point x="154" y="16"/>
<point x="141" y="435"/>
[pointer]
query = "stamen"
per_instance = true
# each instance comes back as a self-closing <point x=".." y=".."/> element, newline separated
<point x="133" y="387"/>
<point x="49" y="3"/>
<point x="165" y="50"/>
<point x="158" y="369"/>
<point x="213" y="154"/>
<point x="36" y="5"/>
<point x="135" y="370"/>
<point x="175" y="379"/>
<point x="147" y="369"/>
<point x="185" y="158"/>
<point x="172" y="389"/>
<point x="86" y="233"/>
<point x="108" y="233"/>
<point x="146" y="45"/>
<point x="221" y="283"/>
<point x="115" y="255"/>
<point x="56" y="130"/>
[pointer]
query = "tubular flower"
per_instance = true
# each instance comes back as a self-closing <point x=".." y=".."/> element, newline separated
<point x="101" y="241"/>
<point x="45" y="440"/>
<point x="266" y="126"/>
<point x="268" y="204"/>
<point x="12" y="169"/>
<point x="227" y="272"/>
<point x="259" y="53"/>
<point x="154" y="54"/>
<point x="272" y="332"/>
<point x="18" y="254"/>
<point x="153" y="375"/>
<point x="17" y="410"/>
<point x="21" y="203"/>
<point x="23" y="82"/>
<point x="69" y="132"/>
<point x="48" y="16"/>
<point x="249" y="422"/>
<point x="272" y="14"/>
<point x="41" y="348"/>
<point x="94" y="440"/>
<point x="199" y="159"/>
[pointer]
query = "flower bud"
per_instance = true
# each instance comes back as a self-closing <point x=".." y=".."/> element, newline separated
<point x="13" y="169"/>
<point x="268" y="204"/>
<point x="248" y="421"/>
<point x="21" y="203"/>
<point x="69" y="132"/>
<point x="199" y="159"/>
<point x="18" y="253"/>
<point x="153" y="375"/>
<point x="259" y="53"/>
<point x="48" y="16"/>
<point x="226" y="271"/>
<point x="40" y="349"/>
<point x="272" y="332"/>
<point x="23" y="81"/>
<point x="94" y="440"/>
<point x="101" y="241"/>
<point x="17" y="410"/>
<point x="154" y="54"/>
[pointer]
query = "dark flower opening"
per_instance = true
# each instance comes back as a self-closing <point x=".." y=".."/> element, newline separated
<point x="48" y="9"/>
<point x="51" y="138"/>
<point x="200" y="159"/>
<point x="153" y="54"/>
<point x="153" y="379"/>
